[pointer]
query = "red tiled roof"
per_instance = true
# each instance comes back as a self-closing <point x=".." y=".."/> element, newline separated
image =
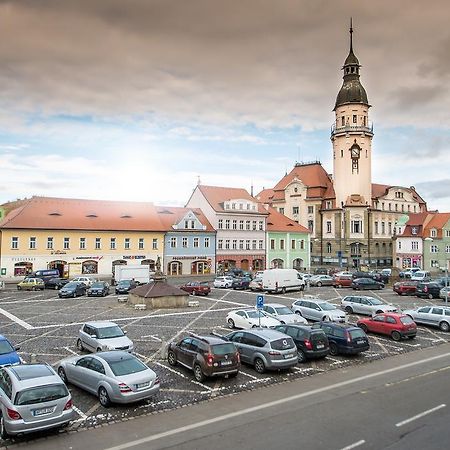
<point x="265" y="196"/>
<point x="437" y="221"/>
<point x="379" y="190"/>
<point x="170" y="215"/>
<point x="77" y="214"/>
<point x="417" y="221"/>
<point x="279" y="222"/>
<point x="311" y="175"/>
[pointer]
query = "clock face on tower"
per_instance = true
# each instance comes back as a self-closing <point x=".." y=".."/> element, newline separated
<point x="355" y="150"/>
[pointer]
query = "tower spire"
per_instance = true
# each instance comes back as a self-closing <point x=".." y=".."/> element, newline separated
<point x="351" y="34"/>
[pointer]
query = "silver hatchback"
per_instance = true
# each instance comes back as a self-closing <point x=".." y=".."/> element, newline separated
<point x="316" y="309"/>
<point x="363" y="304"/>
<point x="437" y="316"/>
<point x="265" y="348"/>
<point x="103" y="336"/>
<point x="32" y="398"/>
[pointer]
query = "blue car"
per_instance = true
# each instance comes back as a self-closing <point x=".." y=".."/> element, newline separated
<point x="8" y="353"/>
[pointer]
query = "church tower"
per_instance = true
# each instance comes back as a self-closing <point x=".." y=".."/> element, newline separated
<point x="351" y="135"/>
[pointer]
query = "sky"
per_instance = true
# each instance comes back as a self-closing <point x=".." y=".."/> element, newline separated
<point x="139" y="100"/>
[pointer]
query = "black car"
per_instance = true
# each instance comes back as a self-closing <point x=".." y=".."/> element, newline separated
<point x="366" y="283"/>
<point x="72" y="289"/>
<point x="371" y="275"/>
<point x="55" y="283"/>
<point x="346" y="339"/>
<point x="125" y="286"/>
<point x="98" y="289"/>
<point x="428" y="290"/>
<point x="312" y="343"/>
<point x="241" y="283"/>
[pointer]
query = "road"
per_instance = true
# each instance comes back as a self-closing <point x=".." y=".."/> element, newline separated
<point x="396" y="403"/>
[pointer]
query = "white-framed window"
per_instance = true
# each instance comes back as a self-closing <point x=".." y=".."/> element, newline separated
<point x="254" y="244"/>
<point x="447" y="249"/>
<point x="415" y="245"/>
<point x="447" y="233"/>
<point x="328" y="247"/>
<point x="155" y="244"/>
<point x="66" y="243"/>
<point x="220" y="224"/>
<point x="433" y="232"/>
<point x="281" y="210"/>
<point x="272" y="244"/>
<point x="254" y="225"/>
<point x="328" y="204"/>
<point x="227" y="224"/>
<point x="227" y="244"/>
<point x="383" y="228"/>
<point x="234" y="224"/>
<point x="234" y="245"/>
<point x="241" y="244"/>
<point x="184" y="242"/>
<point x="389" y="228"/>
<point x="49" y="243"/>
<point x="220" y="244"/>
<point x="206" y="242"/>
<point x="141" y="244"/>
<point x="192" y="224"/>
<point x="302" y="245"/>
<point x="112" y="243"/>
<point x="281" y="244"/>
<point x="261" y="244"/>
<point x="82" y="243"/>
<point x="295" y="210"/>
<point x="247" y="224"/>
<point x="98" y="243"/>
<point x="328" y="226"/>
<point x="376" y="226"/>
<point x="434" y="249"/>
<point x="241" y="224"/>
<point x="196" y="242"/>
<point x="261" y="225"/>
<point x="292" y="244"/>
<point x="173" y="242"/>
<point x="14" y="242"/>
<point x="126" y="244"/>
<point x="434" y="263"/>
<point x="310" y="209"/>
<point x="32" y="243"/>
<point x="356" y="226"/>
<point x="247" y="244"/>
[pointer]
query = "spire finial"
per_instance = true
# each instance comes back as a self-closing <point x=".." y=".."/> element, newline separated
<point x="351" y="34"/>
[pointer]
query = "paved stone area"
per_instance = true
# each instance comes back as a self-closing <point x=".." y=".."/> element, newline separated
<point x="46" y="329"/>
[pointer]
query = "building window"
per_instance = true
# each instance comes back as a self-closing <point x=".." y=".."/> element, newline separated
<point x="186" y="224"/>
<point x="261" y="225"/>
<point x="328" y="204"/>
<point x="49" y="243"/>
<point x="247" y="224"/>
<point x="82" y="243"/>
<point x="192" y="224"/>
<point x="227" y="244"/>
<point x="220" y="224"/>
<point x="247" y="244"/>
<point x="206" y="243"/>
<point x="399" y="245"/>
<point x="281" y="210"/>
<point x="302" y="245"/>
<point x="254" y="228"/>
<point x="233" y="206"/>
<point x="376" y="227"/>
<point x="414" y="245"/>
<point x="328" y="247"/>
<point x="434" y="249"/>
<point x="66" y="243"/>
<point x="447" y="249"/>
<point x="343" y="120"/>
<point x="434" y="263"/>
<point x="311" y="225"/>
<point x="383" y="228"/>
<point x="127" y="244"/>
<point x="234" y="224"/>
<point x="447" y="233"/>
<point x="261" y="245"/>
<point x="220" y="244"/>
<point x="32" y="243"/>
<point x="433" y="233"/>
<point x="295" y="210"/>
<point x="390" y="207"/>
<point x="141" y="244"/>
<point x="14" y="243"/>
<point x="254" y="244"/>
<point x="414" y="208"/>
<point x="184" y="242"/>
<point x="293" y="244"/>
<point x="389" y="228"/>
<point x="112" y="244"/>
<point x="354" y="118"/>
<point x="196" y="242"/>
<point x="98" y="243"/>
<point x="272" y="244"/>
<point x="328" y="226"/>
<point x="241" y="224"/>
<point x="281" y="244"/>
<point x="154" y="244"/>
<point x="227" y="224"/>
<point x="234" y="244"/>
<point x="310" y="209"/>
<point x="173" y="242"/>
<point x="241" y="244"/>
<point x="356" y="226"/>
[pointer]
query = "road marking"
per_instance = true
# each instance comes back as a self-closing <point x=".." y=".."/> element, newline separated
<point x="157" y="339"/>
<point x="248" y="375"/>
<point x="14" y="318"/>
<point x="170" y="369"/>
<point x="80" y="413"/>
<point x="418" y="376"/>
<point x="277" y="402"/>
<point x="354" y="445"/>
<point x="71" y="351"/>
<point x="422" y="414"/>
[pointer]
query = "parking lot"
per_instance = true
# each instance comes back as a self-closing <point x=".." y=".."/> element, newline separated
<point x="46" y="328"/>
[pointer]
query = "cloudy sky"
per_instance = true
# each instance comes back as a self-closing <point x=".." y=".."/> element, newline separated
<point x="135" y="100"/>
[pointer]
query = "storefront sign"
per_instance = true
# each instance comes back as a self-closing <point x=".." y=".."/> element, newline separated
<point x="58" y="252"/>
<point x="134" y="257"/>
<point x="23" y="259"/>
<point x="89" y="257"/>
<point x="191" y="257"/>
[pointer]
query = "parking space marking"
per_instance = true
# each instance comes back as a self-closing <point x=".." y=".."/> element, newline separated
<point x="157" y="339"/>
<point x="248" y="375"/>
<point x="182" y="375"/>
<point x="80" y="413"/>
<point x="14" y="318"/>
<point x="375" y="338"/>
<point x="419" y="416"/>
<point x="71" y="351"/>
<point x="354" y="445"/>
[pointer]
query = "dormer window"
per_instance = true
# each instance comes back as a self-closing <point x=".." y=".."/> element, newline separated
<point x="233" y="206"/>
<point x="125" y="216"/>
<point x="433" y="232"/>
<point x="91" y="215"/>
<point x="54" y="213"/>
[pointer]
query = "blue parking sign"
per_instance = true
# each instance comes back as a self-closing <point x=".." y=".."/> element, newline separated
<point x="260" y="301"/>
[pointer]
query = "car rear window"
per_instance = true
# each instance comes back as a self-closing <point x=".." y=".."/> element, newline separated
<point x="41" y="394"/>
<point x="282" y="344"/>
<point x="318" y="335"/>
<point x="406" y="320"/>
<point x="126" y="366"/>
<point x="110" y="332"/>
<point x="223" y="349"/>
<point x="354" y="334"/>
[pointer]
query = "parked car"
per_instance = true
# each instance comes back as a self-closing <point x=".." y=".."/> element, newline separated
<point x="362" y="304"/>
<point x="283" y="313"/>
<point x="250" y="318"/>
<point x="436" y="316"/>
<point x="55" y="283"/>
<point x="395" y="325"/>
<point x="32" y="398"/>
<point x="311" y="343"/>
<point x="31" y="284"/>
<point x="196" y="287"/>
<point x="265" y="349"/>
<point x="241" y="283"/>
<point x="256" y="284"/>
<point x="103" y="336"/>
<point x="223" y="282"/>
<point x="421" y="275"/>
<point x="316" y="309"/>
<point x="444" y="293"/>
<point x="405" y="287"/>
<point x="125" y="286"/>
<point x="406" y="273"/>
<point x="98" y="289"/>
<point x="342" y="281"/>
<point x="428" y="290"/>
<point x="345" y="339"/>
<point x="321" y="280"/>
<point x="8" y="353"/>
<point x="235" y="272"/>
<point x="282" y="280"/>
<point x="366" y="283"/>
<point x="72" y="289"/>
<point x="115" y="377"/>
<point x="206" y="356"/>
<point x="86" y="280"/>
<point x="322" y="271"/>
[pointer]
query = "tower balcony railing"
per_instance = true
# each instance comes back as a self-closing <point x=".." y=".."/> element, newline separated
<point x="352" y="129"/>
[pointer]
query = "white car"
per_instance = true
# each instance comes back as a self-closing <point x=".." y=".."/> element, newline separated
<point x="256" y="284"/>
<point x="86" y="280"/>
<point x="250" y="318"/>
<point x="223" y="282"/>
<point x="283" y="314"/>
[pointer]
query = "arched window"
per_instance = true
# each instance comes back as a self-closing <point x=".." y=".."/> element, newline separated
<point x="328" y="247"/>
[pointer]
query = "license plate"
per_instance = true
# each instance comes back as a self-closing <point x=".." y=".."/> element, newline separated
<point x="226" y="363"/>
<point x="41" y="412"/>
<point x="360" y="342"/>
<point x="142" y="385"/>
<point x="288" y="356"/>
<point x="320" y="345"/>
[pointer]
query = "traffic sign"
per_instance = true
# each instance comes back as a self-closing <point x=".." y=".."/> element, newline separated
<point x="260" y="301"/>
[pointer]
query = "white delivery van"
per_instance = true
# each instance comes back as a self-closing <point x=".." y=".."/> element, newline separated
<point x="282" y="280"/>
<point x="140" y="273"/>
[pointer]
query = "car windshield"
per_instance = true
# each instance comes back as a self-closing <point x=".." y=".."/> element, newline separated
<point x="283" y="310"/>
<point x="71" y="285"/>
<point x="124" y="283"/>
<point x="375" y="301"/>
<point x="255" y="314"/>
<point x="5" y="347"/>
<point x="126" y="366"/>
<point x="223" y="349"/>
<point x="204" y="283"/>
<point x="406" y="320"/>
<point x="97" y="285"/>
<point x="110" y="332"/>
<point x="327" y="306"/>
<point x="41" y="394"/>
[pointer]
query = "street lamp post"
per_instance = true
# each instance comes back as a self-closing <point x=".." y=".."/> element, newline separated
<point x="427" y="239"/>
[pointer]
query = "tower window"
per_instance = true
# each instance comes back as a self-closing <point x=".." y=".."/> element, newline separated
<point x="364" y="120"/>
<point x="343" y="120"/>
<point x="354" y="118"/>
<point x="342" y="153"/>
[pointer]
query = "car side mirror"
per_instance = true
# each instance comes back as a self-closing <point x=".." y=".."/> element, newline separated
<point x="17" y="348"/>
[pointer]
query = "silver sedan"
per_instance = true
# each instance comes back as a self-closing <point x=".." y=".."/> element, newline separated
<point x="115" y="376"/>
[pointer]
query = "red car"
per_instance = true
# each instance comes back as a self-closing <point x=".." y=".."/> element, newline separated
<point x="393" y="324"/>
<point x="405" y="287"/>
<point x="197" y="287"/>
<point x="342" y="281"/>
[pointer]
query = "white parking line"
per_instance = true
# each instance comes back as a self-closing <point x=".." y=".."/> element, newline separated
<point x="157" y="339"/>
<point x="354" y="445"/>
<point x="80" y="413"/>
<point x="14" y="318"/>
<point x="170" y="369"/>
<point x="422" y="414"/>
<point x="248" y="375"/>
<point x="71" y="351"/>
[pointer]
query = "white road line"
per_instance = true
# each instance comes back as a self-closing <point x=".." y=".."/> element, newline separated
<point x="80" y="413"/>
<point x="422" y="414"/>
<point x="271" y="404"/>
<point x="71" y="351"/>
<point x="157" y="339"/>
<point x="354" y="445"/>
<point x="227" y="301"/>
<point x="20" y="322"/>
<point x="170" y="369"/>
<point x="248" y="375"/>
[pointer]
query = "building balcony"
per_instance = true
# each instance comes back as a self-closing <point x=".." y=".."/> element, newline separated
<point x="347" y="129"/>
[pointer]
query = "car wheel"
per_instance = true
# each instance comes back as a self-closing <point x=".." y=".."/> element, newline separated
<point x="430" y="296"/>
<point x="98" y="349"/>
<point x="254" y="326"/>
<point x="198" y="373"/>
<point x="363" y="327"/>
<point x="319" y="284"/>
<point x="333" y="349"/>
<point x="349" y="310"/>
<point x="444" y="326"/>
<point x="80" y="345"/>
<point x="326" y="319"/>
<point x="230" y="323"/>
<point x="301" y="356"/>
<point x="298" y="312"/>
<point x="19" y="288"/>
<point x="283" y="322"/>
<point x="227" y="286"/>
<point x="396" y="335"/>
<point x="103" y="397"/>
<point x="62" y="374"/>
<point x="172" y="358"/>
<point x="381" y="286"/>
<point x="259" y="365"/>
<point x="3" y="433"/>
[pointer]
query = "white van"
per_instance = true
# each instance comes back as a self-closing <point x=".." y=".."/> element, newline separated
<point x="282" y="280"/>
<point x="420" y="275"/>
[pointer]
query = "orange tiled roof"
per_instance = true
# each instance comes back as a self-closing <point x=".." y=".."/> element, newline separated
<point x="265" y="196"/>
<point x="170" y="215"/>
<point x="378" y="190"/>
<point x="437" y="221"/>
<point x="279" y="222"/>
<point x="417" y="221"/>
<point x="311" y="175"/>
<point x="77" y="214"/>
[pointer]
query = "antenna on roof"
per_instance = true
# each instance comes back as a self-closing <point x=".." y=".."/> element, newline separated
<point x="251" y="188"/>
<point x="198" y="180"/>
